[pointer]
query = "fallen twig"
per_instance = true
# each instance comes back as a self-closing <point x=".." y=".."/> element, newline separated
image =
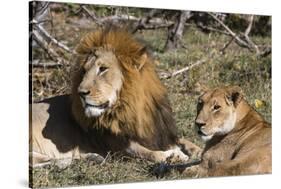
<point x="168" y="76"/>
<point x="36" y="63"/>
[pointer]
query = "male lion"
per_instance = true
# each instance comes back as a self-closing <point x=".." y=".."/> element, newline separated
<point x="238" y="138"/>
<point x="118" y="101"/>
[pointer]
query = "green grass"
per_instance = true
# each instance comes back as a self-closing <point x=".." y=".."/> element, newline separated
<point x="237" y="66"/>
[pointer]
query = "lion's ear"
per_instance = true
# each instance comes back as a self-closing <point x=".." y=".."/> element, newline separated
<point x="142" y="61"/>
<point x="234" y="95"/>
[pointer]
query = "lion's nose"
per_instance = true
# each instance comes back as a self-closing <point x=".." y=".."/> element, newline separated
<point x="200" y="123"/>
<point x="83" y="92"/>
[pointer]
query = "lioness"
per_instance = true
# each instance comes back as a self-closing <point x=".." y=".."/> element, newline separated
<point x="117" y="103"/>
<point x="238" y="138"/>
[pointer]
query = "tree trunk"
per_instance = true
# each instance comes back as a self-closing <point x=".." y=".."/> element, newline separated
<point x="175" y="31"/>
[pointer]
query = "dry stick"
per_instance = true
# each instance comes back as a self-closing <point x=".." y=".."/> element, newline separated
<point x="44" y="45"/>
<point x="265" y="52"/>
<point x="183" y="69"/>
<point x="246" y="34"/>
<point x="101" y="21"/>
<point x="226" y="45"/>
<point x="51" y="38"/>
<point x="153" y="24"/>
<point x="234" y="35"/>
<point x="91" y="15"/>
<point x="36" y="63"/>
<point x="119" y="17"/>
<point x="203" y="27"/>
<point x="142" y="23"/>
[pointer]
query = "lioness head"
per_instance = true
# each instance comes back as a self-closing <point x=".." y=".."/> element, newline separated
<point x="101" y="82"/>
<point x="216" y="111"/>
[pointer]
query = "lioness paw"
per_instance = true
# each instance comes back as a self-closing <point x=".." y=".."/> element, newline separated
<point x="195" y="171"/>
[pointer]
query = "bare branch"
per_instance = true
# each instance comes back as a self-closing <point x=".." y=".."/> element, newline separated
<point x="37" y="63"/>
<point x="185" y="69"/>
<point x="226" y="45"/>
<point x="265" y="52"/>
<point x="91" y="15"/>
<point x="49" y="37"/>
<point x="203" y="27"/>
<point x="246" y="34"/>
<point x="175" y="32"/>
<point x="234" y="35"/>
<point x="143" y="22"/>
<point x="44" y="45"/>
<point x="119" y="18"/>
<point x="248" y="30"/>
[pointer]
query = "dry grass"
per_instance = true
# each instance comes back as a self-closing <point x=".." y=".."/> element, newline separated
<point x="236" y="66"/>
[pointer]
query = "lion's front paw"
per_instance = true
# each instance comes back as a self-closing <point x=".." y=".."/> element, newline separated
<point x="175" y="155"/>
<point x="93" y="157"/>
<point x="190" y="148"/>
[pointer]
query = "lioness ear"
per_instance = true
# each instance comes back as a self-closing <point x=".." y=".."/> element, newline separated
<point x="200" y="88"/>
<point x="234" y="95"/>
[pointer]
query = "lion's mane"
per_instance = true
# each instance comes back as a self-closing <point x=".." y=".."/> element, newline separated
<point x="142" y="112"/>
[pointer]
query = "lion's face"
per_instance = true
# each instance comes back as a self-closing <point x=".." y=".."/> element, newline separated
<point x="216" y="111"/>
<point x="101" y="83"/>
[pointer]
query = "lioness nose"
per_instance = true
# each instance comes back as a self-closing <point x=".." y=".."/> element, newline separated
<point x="200" y="123"/>
<point x="83" y="92"/>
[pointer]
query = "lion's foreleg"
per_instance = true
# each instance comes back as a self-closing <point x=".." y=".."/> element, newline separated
<point x="190" y="148"/>
<point x="173" y="154"/>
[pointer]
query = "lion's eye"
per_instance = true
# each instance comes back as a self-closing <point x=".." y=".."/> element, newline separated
<point x="200" y="104"/>
<point x="102" y="69"/>
<point x="217" y="107"/>
<point x="83" y="71"/>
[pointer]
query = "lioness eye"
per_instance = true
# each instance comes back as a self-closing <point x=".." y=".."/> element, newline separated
<point x="217" y="107"/>
<point x="102" y="69"/>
